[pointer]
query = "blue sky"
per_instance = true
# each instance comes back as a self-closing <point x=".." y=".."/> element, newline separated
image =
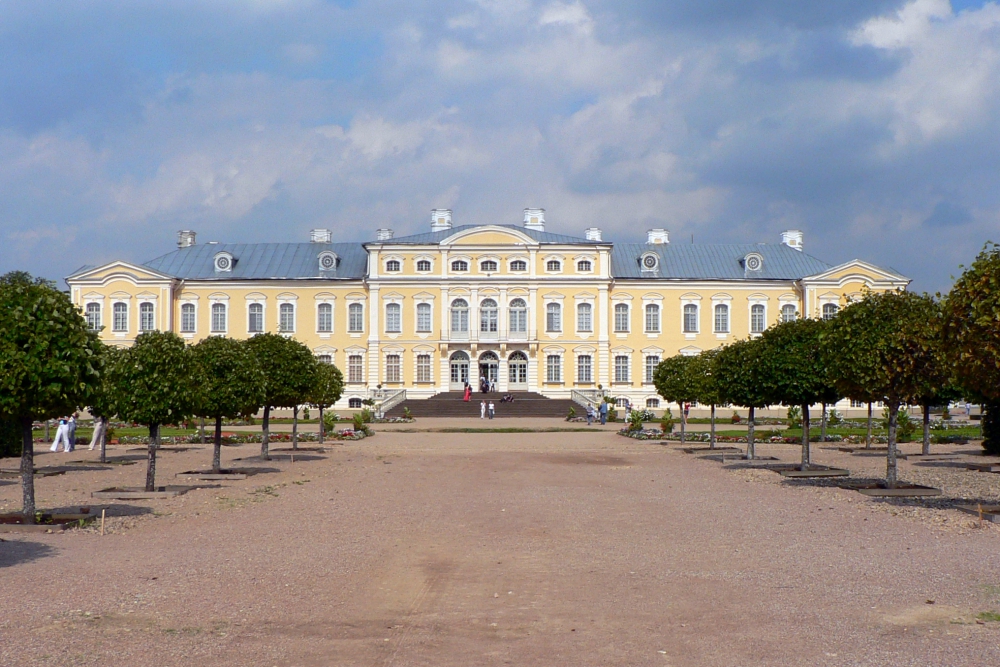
<point x="868" y="124"/>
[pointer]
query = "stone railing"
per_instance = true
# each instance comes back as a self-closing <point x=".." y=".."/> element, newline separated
<point x="586" y="397"/>
<point x="390" y="400"/>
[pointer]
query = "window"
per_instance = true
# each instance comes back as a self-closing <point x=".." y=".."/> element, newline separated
<point x="145" y="316"/>
<point x="553" y="368"/>
<point x="324" y="318"/>
<point x="459" y="265"/>
<point x="690" y="318"/>
<point x="325" y="359"/>
<point x="652" y="361"/>
<point x="553" y="317"/>
<point x="459" y="316"/>
<point x="488" y="314"/>
<point x="518" y="265"/>
<point x="218" y="317"/>
<point x="584" y="317"/>
<point x="857" y="404"/>
<point x="355" y="370"/>
<point x="93" y="316"/>
<point x="721" y="318"/>
<point x="652" y="318"/>
<point x="286" y="318"/>
<point x="830" y="310"/>
<point x="119" y="317"/>
<point x="756" y="318"/>
<point x="392" y="266"/>
<point x="256" y="318"/>
<point x="584" y="369"/>
<point x="393" y="318"/>
<point x="187" y="318"/>
<point x="354" y="402"/>
<point x="488" y="266"/>
<point x="424" y="368"/>
<point x="423" y="265"/>
<point x="392" y="364"/>
<point x="553" y="265"/>
<point x="621" y="317"/>
<point x="518" y="316"/>
<point x="652" y="402"/>
<point x="788" y="312"/>
<point x="355" y="317"/>
<point x="583" y="266"/>
<point x="621" y="368"/>
<point x="423" y="317"/>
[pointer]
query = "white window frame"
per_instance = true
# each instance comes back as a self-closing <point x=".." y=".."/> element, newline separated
<point x="484" y="318"/>
<point x="393" y="324"/>
<point x="628" y="317"/>
<point x="193" y="305"/>
<point x="91" y="324"/>
<point x="795" y="311"/>
<point x="588" y="377"/>
<point x="424" y="372"/>
<point x="553" y="317"/>
<point x="456" y="312"/>
<point x="152" y="310"/>
<point x="328" y="303"/>
<point x="823" y="306"/>
<point x="263" y="315"/>
<point x="652" y="308"/>
<point x="429" y="307"/>
<point x="522" y="319"/>
<point x="648" y="370"/>
<point x="224" y="303"/>
<point x="114" y="316"/>
<point x="398" y="261"/>
<point x="359" y="367"/>
<point x="454" y="260"/>
<point x="589" y="324"/>
<point x="763" y="306"/>
<point x="394" y="367"/>
<point x="281" y="324"/>
<point x="510" y="265"/>
<point x="419" y="259"/>
<point x="622" y="377"/>
<point x="550" y="376"/>
<point x="484" y="260"/>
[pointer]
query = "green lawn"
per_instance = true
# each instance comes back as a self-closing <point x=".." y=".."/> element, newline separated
<point x="968" y="432"/>
<point x="86" y="433"/>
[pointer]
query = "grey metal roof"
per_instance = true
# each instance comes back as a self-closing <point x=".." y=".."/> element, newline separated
<point x="714" y="262"/>
<point x="261" y="261"/>
<point x="429" y="238"/>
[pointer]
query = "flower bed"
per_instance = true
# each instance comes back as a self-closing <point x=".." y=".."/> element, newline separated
<point x="394" y="420"/>
<point x="644" y="434"/>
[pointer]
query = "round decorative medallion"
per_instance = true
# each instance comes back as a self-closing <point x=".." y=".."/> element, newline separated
<point x="649" y="262"/>
<point x="222" y="263"/>
<point x="754" y="262"/>
<point x="327" y="262"/>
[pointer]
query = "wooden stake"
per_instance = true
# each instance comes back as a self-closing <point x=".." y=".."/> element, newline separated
<point x="102" y="521"/>
<point x="980" y="505"/>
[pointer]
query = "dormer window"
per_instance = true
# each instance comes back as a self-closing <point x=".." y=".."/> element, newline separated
<point x="488" y="266"/>
<point x="328" y="261"/>
<point x="223" y="262"/>
<point x="519" y="265"/>
<point x="553" y="265"/>
<point x="424" y="265"/>
<point x="753" y="262"/>
<point x="650" y="261"/>
<point x="392" y="266"/>
<point x="459" y="265"/>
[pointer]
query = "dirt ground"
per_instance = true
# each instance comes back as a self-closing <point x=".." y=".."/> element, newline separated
<point x="498" y="549"/>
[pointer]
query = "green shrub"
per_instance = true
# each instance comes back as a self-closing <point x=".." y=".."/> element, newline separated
<point x="366" y="416"/>
<point x="10" y="438"/>
<point x="305" y="413"/>
<point x="794" y="417"/>
<point x="635" y="421"/>
<point x="359" y="422"/>
<point x="407" y="413"/>
<point x="667" y="421"/>
<point x="571" y="413"/>
<point x="833" y="417"/>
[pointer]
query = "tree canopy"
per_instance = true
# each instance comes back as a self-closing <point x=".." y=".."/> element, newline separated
<point x="738" y="375"/>
<point x="328" y="386"/>
<point x="679" y="379"/>
<point x="289" y="375"/>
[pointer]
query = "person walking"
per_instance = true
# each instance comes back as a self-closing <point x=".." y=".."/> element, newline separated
<point x="71" y="432"/>
<point x="491" y="410"/>
<point x="98" y="432"/>
<point x="482" y="409"/>
<point x="604" y="412"/>
<point x="62" y="435"/>
<point x="590" y="415"/>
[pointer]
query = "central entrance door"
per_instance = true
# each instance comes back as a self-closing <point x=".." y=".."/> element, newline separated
<point x="459" y="371"/>
<point x="489" y="367"/>
<point x="517" y="372"/>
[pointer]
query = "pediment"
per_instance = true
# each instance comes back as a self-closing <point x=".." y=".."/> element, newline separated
<point x="119" y="270"/>
<point x="859" y="271"/>
<point x="489" y="235"/>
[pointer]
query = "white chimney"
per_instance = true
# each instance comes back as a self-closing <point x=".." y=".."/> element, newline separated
<point x="321" y="236"/>
<point x="440" y="219"/>
<point x="185" y="238"/>
<point x="657" y="236"/>
<point x="534" y="218"/>
<point x="383" y="234"/>
<point x="593" y="233"/>
<point x="792" y="238"/>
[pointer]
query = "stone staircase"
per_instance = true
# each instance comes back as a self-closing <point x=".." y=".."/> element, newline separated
<point x="450" y="404"/>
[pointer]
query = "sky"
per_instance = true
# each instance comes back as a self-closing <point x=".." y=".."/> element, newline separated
<point x="870" y="125"/>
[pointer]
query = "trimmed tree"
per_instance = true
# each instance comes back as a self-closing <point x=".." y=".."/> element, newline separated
<point x="738" y="374"/>
<point x="708" y="388"/>
<point x="49" y="361"/>
<point x="102" y="400"/>
<point x="883" y="345"/>
<point x="972" y="338"/>
<point x="289" y="369"/>
<point x="157" y="384"/>
<point x="326" y="390"/>
<point x="232" y="384"/>
<point x="677" y="380"/>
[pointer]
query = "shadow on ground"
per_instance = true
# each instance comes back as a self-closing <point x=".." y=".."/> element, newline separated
<point x="15" y="552"/>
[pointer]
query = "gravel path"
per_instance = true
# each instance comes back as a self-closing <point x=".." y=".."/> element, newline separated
<point x="493" y="549"/>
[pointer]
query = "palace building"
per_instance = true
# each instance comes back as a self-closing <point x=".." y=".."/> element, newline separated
<point x="529" y="309"/>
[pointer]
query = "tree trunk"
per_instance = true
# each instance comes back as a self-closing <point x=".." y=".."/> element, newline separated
<point x="683" y="422"/>
<point x="989" y="424"/>
<point x="822" y="426"/>
<point x="890" y="457"/>
<point x="751" y="451"/>
<point x="868" y="436"/>
<point x="104" y="440"/>
<point x="806" y="445"/>
<point x="265" y="433"/>
<point x="711" y="437"/>
<point x="295" y="427"/>
<point x="927" y="430"/>
<point x="27" y="470"/>
<point x="47" y="441"/>
<point x="154" y="444"/>
<point x="201" y="430"/>
<point x="217" y="453"/>
<point x="322" y="427"/>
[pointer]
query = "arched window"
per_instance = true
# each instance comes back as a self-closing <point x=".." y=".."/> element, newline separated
<point x="424" y="368"/>
<point x="119" y="317"/>
<point x="721" y="318"/>
<point x="187" y="318"/>
<point x="218" y="318"/>
<point x="460" y="316"/>
<point x="423" y="265"/>
<point x="652" y="402"/>
<point x="392" y="368"/>
<point x="518" y="316"/>
<point x="553" y="317"/>
<point x="324" y="318"/>
<point x="93" y="316"/>
<point x="621" y="368"/>
<point x="553" y="265"/>
<point x="354" y="402"/>
<point x="325" y="359"/>
<point x="355" y="317"/>
<point x="146" y="316"/>
<point x="584" y="369"/>
<point x="756" y="318"/>
<point x="518" y="265"/>
<point x="690" y="318"/>
<point x="459" y="265"/>
<point x="393" y="318"/>
<point x="584" y="317"/>
<point x="286" y="318"/>
<point x="355" y="370"/>
<point x="830" y="310"/>
<point x="488" y="316"/>
<point x="652" y="318"/>
<point x="423" y="317"/>
<point x="583" y="266"/>
<point x="488" y="266"/>
<point x="621" y="317"/>
<point x="392" y="266"/>
<point x="256" y="318"/>
<point x="788" y="312"/>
